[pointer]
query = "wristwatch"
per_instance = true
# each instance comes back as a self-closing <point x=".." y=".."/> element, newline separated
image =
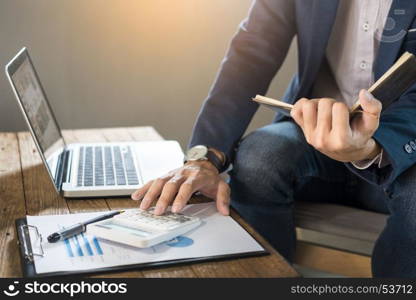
<point x="202" y="152"/>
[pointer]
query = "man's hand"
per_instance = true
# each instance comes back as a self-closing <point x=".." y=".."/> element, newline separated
<point x="327" y="127"/>
<point x="179" y="185"/>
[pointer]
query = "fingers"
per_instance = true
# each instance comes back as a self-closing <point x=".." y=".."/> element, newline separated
<point x="178" y="186"/>
<point x="153" y="192"/>
<point x="169" y="192"/>
<point x="371" y="111"/>
<point x="185" y="193"/>
<point x="297" y="111"/>
<point x="328" y="127"/>
<point x="370" y="104"/>
<point x="314" y="116"/>
<point x="309" y="117"/>
<point x="340" y="119"/>
<point x="138" y="195"/>
<point x="223" y="198"/>
<point x="324" y="118"/>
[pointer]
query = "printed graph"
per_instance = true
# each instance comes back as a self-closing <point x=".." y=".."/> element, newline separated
<point x="82" y="245"/>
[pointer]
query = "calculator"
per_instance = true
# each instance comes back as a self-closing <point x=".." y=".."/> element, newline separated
<point x="142" y="229"/>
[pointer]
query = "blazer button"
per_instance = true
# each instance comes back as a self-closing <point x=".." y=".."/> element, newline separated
<point x="413" y="145"/>
<point x="408" y="148"/>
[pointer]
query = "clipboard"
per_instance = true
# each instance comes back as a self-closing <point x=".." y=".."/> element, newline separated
<point x="25" y="247"/>
<point x="28" y="254"/>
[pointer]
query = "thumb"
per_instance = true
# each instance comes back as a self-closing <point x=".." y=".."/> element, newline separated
<point x="370" y="104"/>
<point x="223" y="198"/>
<point x="371" y="110"/>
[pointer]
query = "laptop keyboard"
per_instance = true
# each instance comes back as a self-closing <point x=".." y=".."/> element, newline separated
<point x="106" y="165"/>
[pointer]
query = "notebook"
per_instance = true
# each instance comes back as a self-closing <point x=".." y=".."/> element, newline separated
<point x="218" y="237"/>
<point x="388" y="88"/>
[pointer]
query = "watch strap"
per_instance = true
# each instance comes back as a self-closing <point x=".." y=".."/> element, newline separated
<point x="215" y="160"/>
<point x="212" y="157"/>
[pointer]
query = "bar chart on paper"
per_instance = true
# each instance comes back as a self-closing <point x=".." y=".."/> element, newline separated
<point x="81" y="245"/>
<point x="85" y="252"/>
<point x="83" y="249"/>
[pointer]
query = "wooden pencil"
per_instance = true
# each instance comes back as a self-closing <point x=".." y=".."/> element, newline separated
<point x="390" y="86"/>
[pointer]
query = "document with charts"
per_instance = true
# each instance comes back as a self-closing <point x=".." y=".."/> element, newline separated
<point x="217" y="236"/>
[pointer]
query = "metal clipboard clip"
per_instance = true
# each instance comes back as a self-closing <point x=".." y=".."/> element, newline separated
<point x="26" y="242"/>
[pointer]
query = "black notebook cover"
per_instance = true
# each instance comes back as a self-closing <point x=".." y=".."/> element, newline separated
<point x="395" y="82"/>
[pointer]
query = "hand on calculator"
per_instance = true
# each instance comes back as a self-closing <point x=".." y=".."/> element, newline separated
<point x="143" y="229"/>
<point x="179" y="185"/>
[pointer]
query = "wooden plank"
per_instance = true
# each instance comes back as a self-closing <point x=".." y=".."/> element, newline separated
<point x="333" y="261"/>
<point x="147" y="133"/>
<point x="118" y="274"/>
<point x="12" y="204"/>
<point x="170" y="272"/>
<point x="222" y="269"/>
<point x="40" y="194"/>
<point x="86" y="205"/>
<point x="340" y="220"/>
<point x="335" y="241"/>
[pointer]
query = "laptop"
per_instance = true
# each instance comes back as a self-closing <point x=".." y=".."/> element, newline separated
<point x="85" y="169"/>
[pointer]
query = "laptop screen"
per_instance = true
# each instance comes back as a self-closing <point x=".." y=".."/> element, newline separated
<point x="36" y="109"/>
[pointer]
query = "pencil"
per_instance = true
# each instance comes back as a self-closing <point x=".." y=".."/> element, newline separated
<point x="387" y="89"/>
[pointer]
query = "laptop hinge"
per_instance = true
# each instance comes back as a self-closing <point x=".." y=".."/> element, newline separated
<point x="62" y="169"/>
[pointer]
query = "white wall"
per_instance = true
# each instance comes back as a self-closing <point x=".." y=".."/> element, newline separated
<point x="110" y="63"/>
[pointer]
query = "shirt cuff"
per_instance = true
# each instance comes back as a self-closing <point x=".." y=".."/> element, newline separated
<point x="365" y="164"/>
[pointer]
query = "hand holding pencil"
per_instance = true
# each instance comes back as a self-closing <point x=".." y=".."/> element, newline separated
<point x="329" y="126"/>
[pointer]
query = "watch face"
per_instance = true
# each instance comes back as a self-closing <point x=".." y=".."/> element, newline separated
<point x="197" y="153"/>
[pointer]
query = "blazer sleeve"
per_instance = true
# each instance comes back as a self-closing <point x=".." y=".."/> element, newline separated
<point x="254" y="56"/>
<point x="396" y="135"/>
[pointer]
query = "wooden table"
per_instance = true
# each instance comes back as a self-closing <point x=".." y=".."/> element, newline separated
<point x="25" y="188"/>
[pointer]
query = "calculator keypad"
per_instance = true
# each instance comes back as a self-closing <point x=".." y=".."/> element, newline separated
<point x="167" y="221"/>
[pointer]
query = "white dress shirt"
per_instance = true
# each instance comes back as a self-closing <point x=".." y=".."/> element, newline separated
<point x="354" y="44"/>
<point x="351" y="53"/>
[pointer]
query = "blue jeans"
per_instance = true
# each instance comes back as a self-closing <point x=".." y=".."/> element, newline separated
<point x="274" y="166"/>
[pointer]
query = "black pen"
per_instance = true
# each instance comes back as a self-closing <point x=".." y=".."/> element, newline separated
<point x="79" y="227"/>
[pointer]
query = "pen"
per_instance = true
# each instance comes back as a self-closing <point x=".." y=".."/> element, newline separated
<point x="79" y="227"/>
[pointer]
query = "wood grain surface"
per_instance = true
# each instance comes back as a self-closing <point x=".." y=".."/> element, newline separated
<point x="25" y="188"/>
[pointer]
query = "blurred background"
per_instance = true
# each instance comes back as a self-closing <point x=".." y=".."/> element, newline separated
<point x="108" y="63"/>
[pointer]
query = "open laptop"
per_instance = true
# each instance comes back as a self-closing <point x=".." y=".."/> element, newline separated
<point x="85" y="169"/>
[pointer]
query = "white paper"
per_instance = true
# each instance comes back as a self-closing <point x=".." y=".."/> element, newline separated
<point x="157" y="158"/>
<point x="217" y="235"/>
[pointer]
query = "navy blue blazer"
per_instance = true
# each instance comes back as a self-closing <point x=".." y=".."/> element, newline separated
<point x="251" y="64"/>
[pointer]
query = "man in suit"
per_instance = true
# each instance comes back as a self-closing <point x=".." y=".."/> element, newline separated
<point x="318" y="154"/>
